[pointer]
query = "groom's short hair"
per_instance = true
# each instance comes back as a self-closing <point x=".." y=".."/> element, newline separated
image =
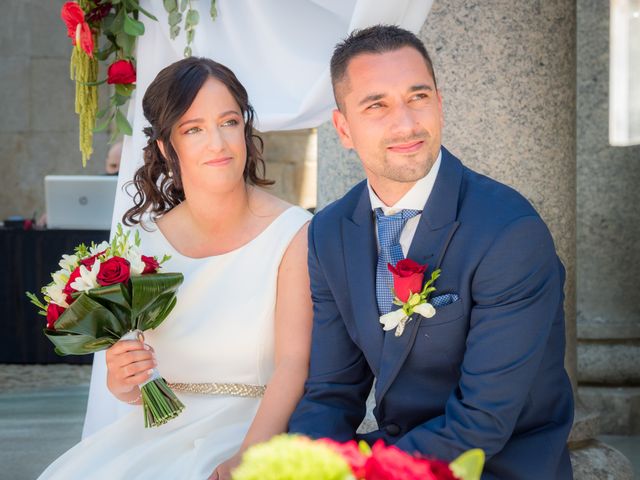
<point x="375" y="39"/>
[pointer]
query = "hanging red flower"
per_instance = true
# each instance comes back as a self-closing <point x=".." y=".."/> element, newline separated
<point x="121" y="72"/>
<point x="77" y="28"/>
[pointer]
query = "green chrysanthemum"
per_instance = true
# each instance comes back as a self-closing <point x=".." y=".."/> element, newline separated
<point x="289" y="457"/>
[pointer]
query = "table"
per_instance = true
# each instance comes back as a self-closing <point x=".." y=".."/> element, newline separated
<point x="27" y="259"/>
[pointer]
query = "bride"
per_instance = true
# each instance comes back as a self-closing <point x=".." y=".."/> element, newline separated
<point x="236" y="346"/>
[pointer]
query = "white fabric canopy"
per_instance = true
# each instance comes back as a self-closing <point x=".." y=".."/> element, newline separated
<point x="280" y="51"/>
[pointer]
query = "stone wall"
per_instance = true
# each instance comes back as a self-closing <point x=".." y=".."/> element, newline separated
<point x="38" y="126"/>
<point x="608" y="239"/>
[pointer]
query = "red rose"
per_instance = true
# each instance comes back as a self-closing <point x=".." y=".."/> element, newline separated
<point x="77" y="29"/>
<point x="114" y="270"/>
<point x="98" y="13"/>
<point x="351" y="453"/>
<point x="88" y="262"/>
<point x="121" y="72"/>
<point x="53" y="313"/>
<point x="151" y="265"/>
<point x="68" y="290"/>
<point x="407" y="278"/>
<point x="391" y="463"/>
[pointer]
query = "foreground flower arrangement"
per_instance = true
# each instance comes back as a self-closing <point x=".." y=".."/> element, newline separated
<point x="107" y="292"/>
<point x="293" y="457"/>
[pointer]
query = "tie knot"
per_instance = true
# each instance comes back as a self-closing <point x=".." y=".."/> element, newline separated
<point x="390" y="226"/>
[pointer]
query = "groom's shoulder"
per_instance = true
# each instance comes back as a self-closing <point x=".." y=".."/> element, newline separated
<point x="483" y="196"/>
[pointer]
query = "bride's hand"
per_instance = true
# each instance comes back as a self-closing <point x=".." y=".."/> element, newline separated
<point x="129" y="363"/>
<point x="223" y="471"/>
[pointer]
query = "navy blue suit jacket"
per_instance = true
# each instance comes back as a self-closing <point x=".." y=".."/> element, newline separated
<point x="487" y="371"/>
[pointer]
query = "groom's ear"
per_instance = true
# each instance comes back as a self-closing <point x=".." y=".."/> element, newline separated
<point x="342" y="127"/>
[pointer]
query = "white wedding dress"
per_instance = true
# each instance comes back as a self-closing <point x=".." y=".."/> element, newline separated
<point x="222" y="331"/>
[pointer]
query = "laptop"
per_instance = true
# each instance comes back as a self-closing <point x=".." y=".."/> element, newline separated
<point x="80" y="202"/>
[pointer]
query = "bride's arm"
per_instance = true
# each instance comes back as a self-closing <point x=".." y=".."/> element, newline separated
<point x="293" y="320"/>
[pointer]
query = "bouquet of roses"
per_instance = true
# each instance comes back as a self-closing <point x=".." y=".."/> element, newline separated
<point x="107" y="292"/>
<point x="293" y="457"/>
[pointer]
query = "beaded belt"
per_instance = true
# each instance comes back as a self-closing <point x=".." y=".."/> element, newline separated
<point x="233" y="389"/>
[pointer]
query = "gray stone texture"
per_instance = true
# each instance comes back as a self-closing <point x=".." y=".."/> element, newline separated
<point x="38" y="125"/>
<point x="507" y="76"/>
<point x="608" y="197"/>
<point x="598" y="461"/>
<point x="618" y="407"/>
<point x="338" y="169"/>
<point x="609" y="363"/>
<point x="291" y="160"/>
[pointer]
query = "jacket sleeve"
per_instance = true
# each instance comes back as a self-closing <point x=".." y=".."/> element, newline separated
<point x="517" y="295"/>
<point x="333" y="404"/>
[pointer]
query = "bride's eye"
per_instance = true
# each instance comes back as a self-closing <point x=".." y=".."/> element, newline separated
<point x="193" y="130"/>
<point x="230" y="123"/>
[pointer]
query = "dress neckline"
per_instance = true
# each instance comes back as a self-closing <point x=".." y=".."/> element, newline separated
<point x="230" y="252"/>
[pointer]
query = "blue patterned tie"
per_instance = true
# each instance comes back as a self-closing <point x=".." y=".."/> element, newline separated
<point x="389" y="230"/>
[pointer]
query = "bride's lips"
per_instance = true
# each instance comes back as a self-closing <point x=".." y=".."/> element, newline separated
<point x="409" y="147"/>
<point x="218" y="162"/>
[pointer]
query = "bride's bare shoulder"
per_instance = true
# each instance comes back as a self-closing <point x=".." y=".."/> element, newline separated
<point x="266" y="204"/>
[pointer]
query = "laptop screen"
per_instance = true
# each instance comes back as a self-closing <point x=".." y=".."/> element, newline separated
<point x="81" y="202"/>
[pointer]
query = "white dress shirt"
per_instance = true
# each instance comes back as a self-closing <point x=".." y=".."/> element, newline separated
<point x="414" y="199"/>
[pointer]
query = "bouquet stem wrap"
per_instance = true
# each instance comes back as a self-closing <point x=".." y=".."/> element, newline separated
<point x="159" y="403"/>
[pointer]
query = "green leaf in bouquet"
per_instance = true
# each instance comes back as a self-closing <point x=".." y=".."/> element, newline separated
<point x="85" y="316"/>
<point x="76" y="344"/>
<point x="157" y="312"/>
<point x="146" y="289"/>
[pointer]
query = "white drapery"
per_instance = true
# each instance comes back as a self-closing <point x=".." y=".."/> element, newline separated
<point x="280" y="51"/>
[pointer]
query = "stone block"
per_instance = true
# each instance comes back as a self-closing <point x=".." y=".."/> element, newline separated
<point x="338" y="169"/>
<point x="47" y="154"/>
<point x="618" y="408"/>
<point x="608" y="363"/>
<point x="608" y="251"/>
<point x="15" y="31"/>
<point x="13" y="153"/>
<point x="52" y="112"/>
<point x="291" y="146"/>
<point x="14" y="86"/>
<point x="48" y="34"/>
<point x="598" y="461"/>
<point x="284" y="174"/>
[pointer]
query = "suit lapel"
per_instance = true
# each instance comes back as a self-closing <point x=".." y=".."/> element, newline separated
<point x="435" y="229"/>
<point x="360" y="259"/>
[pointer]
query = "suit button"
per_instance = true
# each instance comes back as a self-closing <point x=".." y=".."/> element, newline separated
<point x="392" y="429"/>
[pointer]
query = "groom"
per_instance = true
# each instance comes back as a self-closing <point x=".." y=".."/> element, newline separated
<point x="486" y="371"/>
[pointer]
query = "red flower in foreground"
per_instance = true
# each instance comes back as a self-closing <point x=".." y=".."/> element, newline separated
<point x="53" y="313"/>
<point x="391" y="463"/>
<point x="151" y="265"/>
<point x="407" y="278"/>
<point x="115" y="270"/>
<point x="351" y="453"/>
<point x="77" y="28"/>
<point x="121" y="72"/>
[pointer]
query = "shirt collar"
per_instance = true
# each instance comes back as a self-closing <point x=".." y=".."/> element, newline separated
<point x="414" y="199"/>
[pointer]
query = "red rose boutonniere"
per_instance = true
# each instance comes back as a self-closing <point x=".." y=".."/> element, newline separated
<point x="409" y="293"/>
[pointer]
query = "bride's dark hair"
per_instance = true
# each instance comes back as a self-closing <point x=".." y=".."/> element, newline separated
<point x="158" y="184"/>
